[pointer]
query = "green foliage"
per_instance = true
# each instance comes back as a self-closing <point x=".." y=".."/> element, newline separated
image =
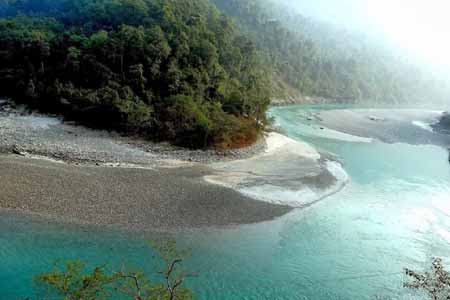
<point x="435" y="284"/>
<point x="161" y="68"/>
<point x="76" y="282"/>
<point x="187" y="121"/>
<point x="319" y="60"/>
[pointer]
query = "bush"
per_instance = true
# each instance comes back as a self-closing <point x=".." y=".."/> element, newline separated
<point x="76" y="282"/>
<point x="187" y="122"/>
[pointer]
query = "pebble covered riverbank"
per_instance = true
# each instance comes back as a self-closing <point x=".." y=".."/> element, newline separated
<point x="61" y="171"/>
<point x="23" y="131"/>
<point x="64" y="171"/>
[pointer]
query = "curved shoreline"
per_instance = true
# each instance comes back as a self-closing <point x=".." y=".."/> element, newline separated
<point x="74" y="174"/>
<point x="35" y="134"/>
<point x="289" y="173"/>
<point x="69" y="173"/>
<point x="138" y="199"/>
<point x="134" y="197"/>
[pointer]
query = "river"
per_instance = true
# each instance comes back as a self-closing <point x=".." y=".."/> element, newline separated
<point x="393" y="213"/>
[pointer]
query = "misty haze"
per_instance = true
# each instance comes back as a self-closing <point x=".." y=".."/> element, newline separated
<point x="224" y="149"/>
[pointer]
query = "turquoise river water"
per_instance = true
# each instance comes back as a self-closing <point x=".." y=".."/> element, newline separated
<point x="394" y="213"/>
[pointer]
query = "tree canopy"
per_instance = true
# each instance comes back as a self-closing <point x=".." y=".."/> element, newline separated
<point x="182" y="71"/>
<point x="323" y="60"/>
<point x="170" y="70"/>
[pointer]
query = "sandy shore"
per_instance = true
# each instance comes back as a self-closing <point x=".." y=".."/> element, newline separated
<point x="74" y="174"/>
<point x="132" y="198"/>
<point x="412" y="126"/>
<point x="288" y="172"/>
<point x="36" y="134"/>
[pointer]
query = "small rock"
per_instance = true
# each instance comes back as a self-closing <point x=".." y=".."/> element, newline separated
<point x="18" y="151"/>
<point x="375" y="118"/>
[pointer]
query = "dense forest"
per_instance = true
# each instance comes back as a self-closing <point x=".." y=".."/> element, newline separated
<point x="197" y="73"/>
<point x="166" y="69"/>
<point x="322" y="60"/>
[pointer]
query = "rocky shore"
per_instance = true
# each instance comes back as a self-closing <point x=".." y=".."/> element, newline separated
<point x="30" y="133"/>
<point x="443" y="125"/>
<point x="410" y="126"/>
<point x="299" y="99"/>
<point x="60" y="170"/>
<point x="68" y="173"/>
<point x="131" y="198"/>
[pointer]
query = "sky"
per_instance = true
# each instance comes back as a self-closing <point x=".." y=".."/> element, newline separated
<point x="419" y="27"/>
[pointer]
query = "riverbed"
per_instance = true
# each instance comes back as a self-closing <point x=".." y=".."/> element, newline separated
<point x="393" y="213"/>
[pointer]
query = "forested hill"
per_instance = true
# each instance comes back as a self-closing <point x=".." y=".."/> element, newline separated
<point x="318" y="59"/>
<point x="184" y="71"/>
<point x="166" y="69"/>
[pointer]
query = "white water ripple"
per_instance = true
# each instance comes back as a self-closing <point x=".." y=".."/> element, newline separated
<point x="288" y="173"/>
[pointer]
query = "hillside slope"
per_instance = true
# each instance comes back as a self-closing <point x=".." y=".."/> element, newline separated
<point x="169" y="70"/>
<point x="323" y="61"/>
